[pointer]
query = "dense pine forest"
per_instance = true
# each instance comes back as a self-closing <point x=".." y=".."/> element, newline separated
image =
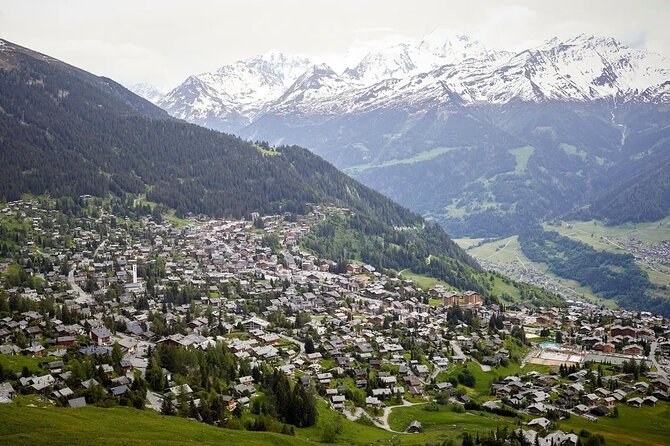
<point x="643" y="196"/>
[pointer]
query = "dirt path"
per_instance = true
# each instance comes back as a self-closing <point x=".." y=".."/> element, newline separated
<point x="381" y="422"/>
<point x="523" y="265"/>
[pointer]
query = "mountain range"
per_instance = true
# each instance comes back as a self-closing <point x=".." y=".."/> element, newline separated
<point x="67" y="133"/>
<point x="479" y="139"/>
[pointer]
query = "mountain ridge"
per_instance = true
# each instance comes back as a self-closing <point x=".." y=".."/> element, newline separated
<point x="512" y="137"/>
<point x="582" y="68"/>
<point x="69" y="133"/>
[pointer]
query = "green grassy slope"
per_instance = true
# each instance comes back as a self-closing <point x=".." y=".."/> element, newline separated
<point x="644" y="426"/>
<point x="616" y="239"/>
<point x="21" y="425"/>
<point x="510" y="260"/>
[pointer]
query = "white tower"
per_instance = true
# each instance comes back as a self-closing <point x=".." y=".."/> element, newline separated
<point x="134" y="272"/>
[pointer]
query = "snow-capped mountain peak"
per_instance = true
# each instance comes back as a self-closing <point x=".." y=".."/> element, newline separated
<point x="148" y="91"/>
<point x="272" y="68"/>
<point x="438" y="69"/>
<point x="404" y="59"/>
<point x="319" y="82"/>
<point x="234" y="94"/>
<point x="393" y="62"/>
<point x="450" y="48"/>
<point x="585" y="67"/>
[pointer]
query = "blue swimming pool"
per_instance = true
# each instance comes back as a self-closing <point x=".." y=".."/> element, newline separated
<point x="546" y="345"/>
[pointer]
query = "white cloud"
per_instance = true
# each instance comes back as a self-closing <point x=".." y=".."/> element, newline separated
<point x="124" y="62"/>
<point x="164" y="42"/>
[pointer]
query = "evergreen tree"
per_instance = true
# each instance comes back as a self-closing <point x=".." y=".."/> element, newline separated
<point x="309" y="346"/>
<point x="167" y="408"/>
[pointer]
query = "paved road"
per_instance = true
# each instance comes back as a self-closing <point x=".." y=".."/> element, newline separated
<point x="301" y="345"/>
<point x="436" y="372"/>
<point x="101" y="245"/>
<point x="457" y="349"/>
<point x="652" y="358"/>
<point x="70" y="278"/>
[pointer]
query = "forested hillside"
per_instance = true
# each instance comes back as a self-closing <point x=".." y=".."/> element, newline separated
<point x="67" y="133"/>
<point x="641" y="194"/>
<point x="610" y="275"/>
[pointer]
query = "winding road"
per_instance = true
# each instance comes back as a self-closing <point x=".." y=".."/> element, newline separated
<point x="301" y="345"/>
<point x="381" y="422"/>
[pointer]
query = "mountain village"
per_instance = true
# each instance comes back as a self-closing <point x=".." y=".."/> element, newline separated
<point x="110" y="291"/>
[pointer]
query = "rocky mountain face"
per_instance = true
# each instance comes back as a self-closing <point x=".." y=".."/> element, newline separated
<point x="480" y="139"/>
<point x="584" y="68"/>
<point x="232" y="96"/>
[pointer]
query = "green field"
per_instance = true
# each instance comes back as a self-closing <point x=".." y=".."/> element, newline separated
<point x="16" y="363"/>
<point x="23" y="425"/>
<point x="644" y="426"/>
<point x="522" y="155"/>
<point x="509" y="259"/>
<point x="600" y="236"/>
<point x="504" y="251"/>
<point x="508" y="255"/>
<point x="613" y="239"/>
<point x="267" y="152"/>
<point x="169" y="216"/>
<point x="350" y="432"/>
<point x="422" y="156"/>
<point x="31" y="421"/>
<point x="467" y="243"/>
<point x="500" y="288"/>
<point x="484" y="379"/>
<point x="572" y="150"/>
<point x="424" y="282"/>
<point x="177" y="221"/>
<point x="445" y="424"/>
<point x="455" y="209"/>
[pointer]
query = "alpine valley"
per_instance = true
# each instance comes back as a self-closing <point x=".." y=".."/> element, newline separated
<point x="263" y="255"/>
<point x="482" y="140"/>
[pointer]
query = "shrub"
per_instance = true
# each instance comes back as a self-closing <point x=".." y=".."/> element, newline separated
<point x="457" y="408"/>
<point x="431" y="407"/>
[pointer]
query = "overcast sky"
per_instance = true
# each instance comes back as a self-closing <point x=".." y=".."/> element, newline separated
<point x="162" y="42"/>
